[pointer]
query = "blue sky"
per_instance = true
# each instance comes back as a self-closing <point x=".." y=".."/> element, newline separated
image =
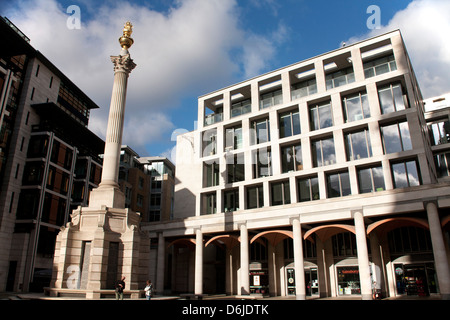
<point x="186" y="48"/>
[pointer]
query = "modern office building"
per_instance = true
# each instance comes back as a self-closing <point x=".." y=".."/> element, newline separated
<point x="321" y="178"/>
<point x="148" y="185"/>
<point x="49" y="159"/>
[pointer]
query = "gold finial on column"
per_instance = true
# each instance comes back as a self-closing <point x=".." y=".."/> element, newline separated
<point x="126" y="41"/>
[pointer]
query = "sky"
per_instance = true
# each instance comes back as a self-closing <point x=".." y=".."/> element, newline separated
<point x="187" y="48"/>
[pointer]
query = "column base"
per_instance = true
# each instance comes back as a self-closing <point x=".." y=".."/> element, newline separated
<point x="109" y="196"/>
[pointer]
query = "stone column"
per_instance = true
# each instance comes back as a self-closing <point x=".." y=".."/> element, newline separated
<point x="363" y="256"/>
<point x="159" y="283"/>
<point x="300" y="290"/>
<point x="245" y="264"/>
<point x="198" y="289"/>
<point x="439" y="251"/>
<point x="108" y="192"/>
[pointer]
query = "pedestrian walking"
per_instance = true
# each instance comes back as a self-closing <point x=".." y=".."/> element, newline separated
<point x="148" y="290"/>
<point x="120" y="286"/>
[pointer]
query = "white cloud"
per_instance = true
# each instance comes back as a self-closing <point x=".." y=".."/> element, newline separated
<point x="425" y="26"/>
<point x="192" y="48"/>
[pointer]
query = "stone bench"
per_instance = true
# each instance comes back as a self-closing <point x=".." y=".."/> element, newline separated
<point x="92" y="294"/>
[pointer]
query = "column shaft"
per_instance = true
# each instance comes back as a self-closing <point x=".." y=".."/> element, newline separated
<point x="198" y="288"/>
<point x="300" y="290"/>
<point x="439" y="251"/>
<point x="111" y="158"/>
<point x="363" y="257"/>
<point x="245" y="280"/>
<point x="159" y="283"/>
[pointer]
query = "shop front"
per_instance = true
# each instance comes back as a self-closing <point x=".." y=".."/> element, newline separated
<point x="415" y="279"/>
<point x="348" y="280"/>
<point x="259" y="282"/>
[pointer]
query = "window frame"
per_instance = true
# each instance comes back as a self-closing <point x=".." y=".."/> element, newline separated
<point x="350" y="144"/>
<point x="364" y="106"/>
<point x="315" y="160"/>
<point x="285" y="192"/>
<point x="297" y="165"/>
<point x="315" y="115"/>
<point x="340" y="181"/>
<point x="310" y="187"/>
<point x="374" y="187"/>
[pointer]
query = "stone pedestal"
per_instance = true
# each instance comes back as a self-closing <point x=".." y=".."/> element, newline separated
<point x="83" y="260"/>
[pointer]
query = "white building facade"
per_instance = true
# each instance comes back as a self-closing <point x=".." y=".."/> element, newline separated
<point x="317" y="179"/>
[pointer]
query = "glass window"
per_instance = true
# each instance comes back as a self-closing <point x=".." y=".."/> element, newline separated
<point x="439" y="131"/>
<point x="33" y="173"/>
<point x="262" y="163"/>
<point x="357" y="145"/>
<point x="231" y="200"/>
<point x="241" y="107"/>
<point x="308" y="189"/>
<point x="233" y="138"/>
<point x="323" y="152"/>
<point x="442" y="161"/>
<point x="280" y="193"/>
<point x="289" y="124"/>
<point x="37" y="147"/>
<point x="391" y="98"/>
<point x="260" y="131"/>
<point x="356" y="107"/>
<point x="379" y="66"/>
<point x="405" y="174"/>
<point x="303" y="89"/>
<point x="211" y="174"/>
<point x="321" y="116"/>
<point x="338" y="185"/>
<point x="209" y="142"/>
<point x="271" y="99"/>
<point x="396" y="137"/>
<point x="255" y="197"/>
<point x="371" y="179"/>
<point x="209" y="203"/>
<point x="213" y="116"/>
<point x="235" y="168"/>
<point x="339" y="78"/>
<point x="291" y="158"/>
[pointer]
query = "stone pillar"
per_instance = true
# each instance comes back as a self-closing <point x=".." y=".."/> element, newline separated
<point x="300" y="290"/>
<point x="363" y="256"/>
<point x="229" y="271"/>
<point x="198" y="289"/>
<point x="159" y="283"/>
<point x="245" y="263"/>
<point x="321" y="268"/>
<point x="378" y="270"/>
<point x="108" y="192"/>
<point x="439" y="251"/>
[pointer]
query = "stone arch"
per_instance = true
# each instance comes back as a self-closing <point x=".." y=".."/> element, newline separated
<point x="325" y="232"/>
<point x="384" y="226"/>
<point x="188" y="242"/>
<point x="446" y="223"/>
<point x="273" y="236"/>
<point x="227" y="240"/>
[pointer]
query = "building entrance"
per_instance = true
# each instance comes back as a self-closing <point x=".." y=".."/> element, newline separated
<point x="311" y="281"/>
<point x="415" y="279"/>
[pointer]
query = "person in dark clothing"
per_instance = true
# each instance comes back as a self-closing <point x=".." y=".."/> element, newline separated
<point x="120" y="286"/>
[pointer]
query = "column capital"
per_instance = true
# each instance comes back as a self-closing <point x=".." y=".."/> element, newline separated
<point x="293" y="218"/>
<point x="430" y="200"/>
<point x="123" y="63"/>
